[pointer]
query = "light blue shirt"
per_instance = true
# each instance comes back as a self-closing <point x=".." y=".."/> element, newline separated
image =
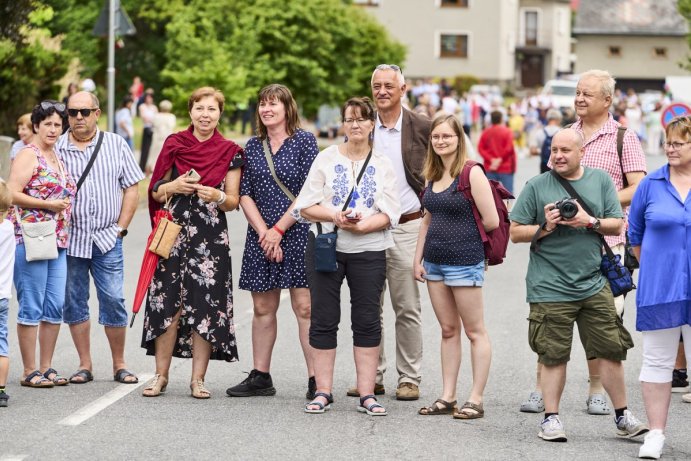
<point x="660" y="223"/>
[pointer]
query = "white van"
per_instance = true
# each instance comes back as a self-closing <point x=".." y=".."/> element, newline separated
<point x="561" y="93"/>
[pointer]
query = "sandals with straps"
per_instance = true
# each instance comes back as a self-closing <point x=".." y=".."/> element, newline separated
<point x="369" y="408"/>
<point x="446" y="408"/>
<point x="479" y="412"/>
<point x="322" y="408"/>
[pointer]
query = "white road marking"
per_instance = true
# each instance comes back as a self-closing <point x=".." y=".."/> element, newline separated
<point x="103" y="402"/>
<point x="13" y="457"/>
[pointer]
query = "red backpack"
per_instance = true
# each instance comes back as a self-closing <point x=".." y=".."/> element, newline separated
<point x="496" y="241"/>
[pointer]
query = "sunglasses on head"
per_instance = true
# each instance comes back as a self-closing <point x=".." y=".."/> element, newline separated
<point x="85" y="112"/>
<point x="46" y="105"/>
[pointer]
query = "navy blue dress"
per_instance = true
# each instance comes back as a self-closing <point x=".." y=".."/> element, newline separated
<point x="292" y="162"/>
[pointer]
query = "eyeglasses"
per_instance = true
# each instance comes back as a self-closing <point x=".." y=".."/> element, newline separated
<point x="350" y="121"/>
<point x="675" y="145"/>
<point x="47" y="105"/>
<point x="85" y="112"/>
<point x="442" y="137"/>
<point x="388" y="66"/>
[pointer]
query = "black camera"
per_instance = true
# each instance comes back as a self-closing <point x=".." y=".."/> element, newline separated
<point x="567" y="207"/>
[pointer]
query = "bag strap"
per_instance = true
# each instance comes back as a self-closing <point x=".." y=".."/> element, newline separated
<point x="569" y="188"/>
<point x="270" y="161"/>
<point x="91" y="161"/>
<point x="621" y="131"/>
<point x="464" y="186"/>
<point x="357" y="181"/>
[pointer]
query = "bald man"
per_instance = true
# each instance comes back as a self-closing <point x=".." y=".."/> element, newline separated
<point x="564" y="283"/>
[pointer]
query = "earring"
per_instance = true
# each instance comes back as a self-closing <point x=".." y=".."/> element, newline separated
<point x="345" y="138"/>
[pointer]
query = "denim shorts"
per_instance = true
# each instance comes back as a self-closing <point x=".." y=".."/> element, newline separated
<point x="4" y="309"/>
<point x="456" y="276"/>
<point x="108" y="273"/>
<point x="40" y="288"/>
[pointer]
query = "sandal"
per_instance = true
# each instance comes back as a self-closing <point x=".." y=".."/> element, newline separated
<point x="322" y="408"/>
<point x="56" y="379"/>
<point x="122" y="374"/>
<point x="42" y="381"/>
<point x="368" y="409"/>
<point x="84" y="376"/>
<point x="199" y="391"/>
<point x="476" y="407"/>
<point x="156" y="386"/>
<point x="446" y="408"/>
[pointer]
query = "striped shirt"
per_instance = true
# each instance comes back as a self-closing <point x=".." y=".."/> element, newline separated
<point x="97" y="207"/>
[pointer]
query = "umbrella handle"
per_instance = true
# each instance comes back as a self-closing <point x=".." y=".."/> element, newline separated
<point x="134" y="314"/>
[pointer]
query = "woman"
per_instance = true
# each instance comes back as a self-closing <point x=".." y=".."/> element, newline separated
<point x="41" y="190"/>
<point x="189" y="311"/>
<point x="363" y="212"/>
<point x="450" y="257"/>
<point x="163" y="125"/>
<point x="274" y="256"/>
<point x="147" y="112"/>
<point x="658" y="232"/>
<point x="25" y="133"/>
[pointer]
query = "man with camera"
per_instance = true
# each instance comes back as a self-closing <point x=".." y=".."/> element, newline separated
<point x="564" y="283"/>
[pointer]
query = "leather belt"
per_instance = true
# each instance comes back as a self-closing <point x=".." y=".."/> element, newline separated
<point x="410" y="217"/>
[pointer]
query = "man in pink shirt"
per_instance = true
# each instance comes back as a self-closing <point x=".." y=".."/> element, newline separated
<point x="496" y="148"/>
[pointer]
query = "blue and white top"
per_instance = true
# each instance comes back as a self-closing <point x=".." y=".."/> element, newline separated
<point x="98" y="203"/>
<point x="328" y="184"/>
<point x="660" y="222"/>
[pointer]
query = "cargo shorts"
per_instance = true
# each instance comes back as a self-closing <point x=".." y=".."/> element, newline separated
<point x="602" y="333"/>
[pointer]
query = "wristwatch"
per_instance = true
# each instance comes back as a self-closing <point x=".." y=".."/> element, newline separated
<point x="594" y="224"/>
<point x="121" y="231"/>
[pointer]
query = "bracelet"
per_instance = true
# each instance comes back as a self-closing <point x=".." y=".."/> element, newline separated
<point x="278" y="229"/>
<point x="222" y="198"/>
<point x="544" y="228"/>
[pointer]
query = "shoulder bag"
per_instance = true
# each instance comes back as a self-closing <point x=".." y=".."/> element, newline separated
<point x="325" y="243"/>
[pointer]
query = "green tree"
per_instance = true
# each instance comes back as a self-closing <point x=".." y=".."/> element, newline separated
<point x="685" y="10"/>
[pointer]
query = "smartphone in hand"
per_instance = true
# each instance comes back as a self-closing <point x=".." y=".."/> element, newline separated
<point x="193" y="174"/>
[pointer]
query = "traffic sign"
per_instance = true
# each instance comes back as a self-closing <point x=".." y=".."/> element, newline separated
<point x="676" y="109"/>
<point x="123" y="23"/>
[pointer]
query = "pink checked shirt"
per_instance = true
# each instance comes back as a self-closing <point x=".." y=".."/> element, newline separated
<point x="601" y="152"/>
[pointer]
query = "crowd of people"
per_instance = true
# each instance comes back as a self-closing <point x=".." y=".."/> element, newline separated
<point x="380" y="209"/>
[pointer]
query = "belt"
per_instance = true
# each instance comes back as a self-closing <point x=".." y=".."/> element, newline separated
<point x="410" y="217"/>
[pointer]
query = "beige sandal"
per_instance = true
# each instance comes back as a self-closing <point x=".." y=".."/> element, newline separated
<point x="199" y="391"/>
<point x="156" y="386"/>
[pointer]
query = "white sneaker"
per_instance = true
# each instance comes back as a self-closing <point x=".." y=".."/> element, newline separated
<point x="552" y="430"/>
<point x="629" y="426"/>
<point x="652" y="447"/>
<point x="686" y="398"/>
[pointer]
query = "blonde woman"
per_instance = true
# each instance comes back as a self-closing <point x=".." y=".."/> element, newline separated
<point x="450" y="257"/>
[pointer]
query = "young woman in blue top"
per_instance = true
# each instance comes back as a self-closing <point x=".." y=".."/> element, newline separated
<point x="658" y="231"/>
<point x="450" y="256"/>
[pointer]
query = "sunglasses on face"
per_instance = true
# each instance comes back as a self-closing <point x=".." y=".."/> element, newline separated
<point x="46" y="105"/>
<point x="85" y="112"/>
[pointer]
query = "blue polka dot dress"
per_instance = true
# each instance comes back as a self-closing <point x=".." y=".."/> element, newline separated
<point x="292" y="163"/>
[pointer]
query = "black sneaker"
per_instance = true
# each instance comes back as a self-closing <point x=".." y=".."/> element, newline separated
<point x="3" y="399"/>
<point x="680" y="381"/>
<point x="256" y="384"/>
<point x="311" y="388"/>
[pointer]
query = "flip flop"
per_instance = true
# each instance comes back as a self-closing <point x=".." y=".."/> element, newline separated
<point x="43" y="382"/>
<point x="122" y="373"/>
<point x="84" y="375"/>
<point x="56" y="379"/>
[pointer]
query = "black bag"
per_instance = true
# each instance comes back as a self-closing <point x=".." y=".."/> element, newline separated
<point x="630" y="261"/>
<point x="325" y="244"/>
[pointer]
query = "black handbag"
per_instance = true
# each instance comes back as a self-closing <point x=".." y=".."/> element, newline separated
<point x="325" y="243"/>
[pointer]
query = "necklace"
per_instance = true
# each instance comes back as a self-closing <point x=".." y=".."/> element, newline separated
<point x="354" y="164"/>
<point x="89" y="139"/>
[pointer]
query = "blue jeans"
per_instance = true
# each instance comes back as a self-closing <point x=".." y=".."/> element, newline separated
<point x="107" y="270"/>
<point x="456" y="276"/>
<point x="4" y="310"/>
<point x="505" y="178"/>
<point x="40" y="288"/>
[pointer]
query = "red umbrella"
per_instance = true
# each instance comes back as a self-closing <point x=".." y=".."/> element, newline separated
<point x="149" y="262"/>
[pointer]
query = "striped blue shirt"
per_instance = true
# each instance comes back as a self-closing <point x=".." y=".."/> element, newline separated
<point x="97" y="207"/>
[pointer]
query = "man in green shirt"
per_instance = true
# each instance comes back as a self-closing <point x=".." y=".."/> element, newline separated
<point x="564" y="283"/>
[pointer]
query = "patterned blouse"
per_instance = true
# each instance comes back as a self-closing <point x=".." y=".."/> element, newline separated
<point x="47" y="184"/>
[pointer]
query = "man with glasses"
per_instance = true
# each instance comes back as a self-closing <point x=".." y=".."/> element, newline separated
<point x="594" y="93"/>
<point x="102" y="210"/>
<point x="402" y="136"/>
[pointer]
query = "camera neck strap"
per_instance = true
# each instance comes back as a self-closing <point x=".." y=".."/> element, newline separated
<point x="347" y="200"/>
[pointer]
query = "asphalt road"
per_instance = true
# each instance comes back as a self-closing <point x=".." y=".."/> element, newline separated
<point x="106" y="420"/>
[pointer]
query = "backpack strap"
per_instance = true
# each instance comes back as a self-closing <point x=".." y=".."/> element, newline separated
<point x="464" y="187"/>
<point x="621" y="131"/>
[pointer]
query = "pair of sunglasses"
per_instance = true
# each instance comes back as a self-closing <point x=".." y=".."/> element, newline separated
<point x="85" y="112"/>
<point x="58" y="106"/>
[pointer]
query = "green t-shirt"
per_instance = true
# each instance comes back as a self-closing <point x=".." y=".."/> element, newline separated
<point x="567" y="266"/>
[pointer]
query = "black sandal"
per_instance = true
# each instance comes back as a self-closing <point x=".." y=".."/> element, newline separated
<point x="122" y="373"/>
<point x="57" y="379"/>
<point x="368" y="409"/>
<point x="322" y="408"/>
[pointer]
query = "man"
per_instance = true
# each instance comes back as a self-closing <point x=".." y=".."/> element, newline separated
<point x="402" y="136"/>
<point x="541" y="138"/>
<point x="496" y="148"/>
<point x="101" y="212"/>
<point x="594" y="95"/>
<point x="564" y="283"/>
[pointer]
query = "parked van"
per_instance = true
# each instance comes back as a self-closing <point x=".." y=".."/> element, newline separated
<point x="561" y="93"/>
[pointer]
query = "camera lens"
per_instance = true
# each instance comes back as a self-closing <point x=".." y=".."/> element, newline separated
<point x="567" y="209"/>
